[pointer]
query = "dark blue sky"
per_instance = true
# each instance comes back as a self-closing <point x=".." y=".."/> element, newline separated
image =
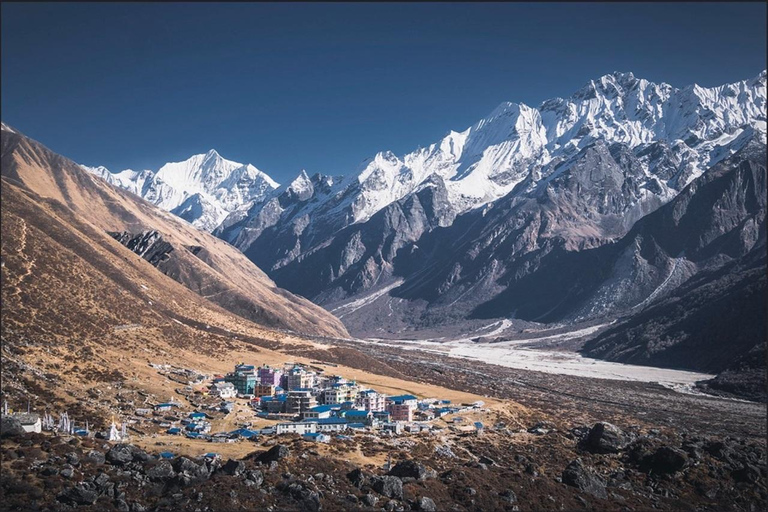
<point x="323" y="86"/>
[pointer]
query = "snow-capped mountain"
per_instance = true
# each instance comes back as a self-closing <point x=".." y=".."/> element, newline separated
<point x="204" y="189"/>
<point x="458" y="222"/>
<point x="661" y="137"/>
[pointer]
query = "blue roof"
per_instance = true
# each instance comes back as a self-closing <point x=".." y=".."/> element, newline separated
<point x="478" y="424"/>
<point x="211" y="455"/>
<point x="356" y="414"/>
<point x="321" y="408"/>
<point x="313" y="434"/>
<point x="398" y="399"/>
<point x="173" y="430"/>
<point x="193" y="434"/>
<point x="244" y="432"/>
<point x="166" y="405"/>
<point x="356" y="425"/>
<point x="197" y="415"/>
<point x="167" y="455"/>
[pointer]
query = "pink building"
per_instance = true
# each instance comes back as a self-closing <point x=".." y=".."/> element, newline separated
<point x="400" y="412"/>
<point x="269" y="376"/>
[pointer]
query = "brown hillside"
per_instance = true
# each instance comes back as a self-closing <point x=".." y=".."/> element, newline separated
<point x="90" y="207"/>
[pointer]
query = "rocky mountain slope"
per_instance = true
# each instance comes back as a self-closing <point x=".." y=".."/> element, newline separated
<point x="46" y="194"/>
<point x="574" y="174"/>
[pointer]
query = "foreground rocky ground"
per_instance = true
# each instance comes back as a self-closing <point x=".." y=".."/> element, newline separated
<point x="543" y="466"/>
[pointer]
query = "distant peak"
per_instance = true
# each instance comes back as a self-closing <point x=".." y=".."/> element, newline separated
<point x="505" y="107"/>
<point x="212" y="154"/>
<point x="7" y="128"/>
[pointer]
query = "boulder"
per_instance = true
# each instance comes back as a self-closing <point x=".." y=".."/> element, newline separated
<point x="389" y="486"/>
<point x="81" y="494"/>
<point x="233" y="467"/>
<point x="255" y="476"/>
<point x="120" y="454"/>
<point x="274" y="454"/>
<point x="73" y="458"/>
<point x="605" y="438"/>
<point x="576" y="475"/>
<point x="426" y="504"/>
<point x="139" y="455"/>
<point x="188" y="472"/>
<point x="162" y="472"/>
<point x="508" y="496"/>
<point x="357" y="477"/>
<point x="96" y="457"/>
<point x="11" y="427"/>
<point x="409" y="469"/>
<point x="369" y="500"/>
<point x="747" y="473"/>
<point x="665" y="460"/>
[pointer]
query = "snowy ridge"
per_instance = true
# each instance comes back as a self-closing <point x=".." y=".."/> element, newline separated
<point x="204" y="189"/>
<point x="675" y="133"/>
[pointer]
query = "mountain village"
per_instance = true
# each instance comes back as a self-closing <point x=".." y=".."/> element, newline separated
<point x="251" y="402"/>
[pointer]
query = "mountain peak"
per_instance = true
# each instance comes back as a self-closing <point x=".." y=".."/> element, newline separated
<point x="301" y="186"/>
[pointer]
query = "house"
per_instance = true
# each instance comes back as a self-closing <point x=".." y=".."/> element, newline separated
<point x="316" y="437"/>
<point x="227" y="407"/>
<point x="142" y="412"/>
<point x="329" y="424"/>
<point x="30" y="422"/>
<point x="401" y="411"/>
<point x="396" y="428"/>
<point x="223" y="389"/>
<point x="370" y="400"/>
<point x="356" y="426"/>
<point x="295" y="428"/>
<point x="199" y="427"/>
<point x="403" y="400"/>
<point x="427" y="415"/>
<point x="299" y="378"/>
<point x="355" y="416"/>
<point x="174" y="431"/>
<point x="264" y="390"/>
<point x="274" y="404"/>
<point x="244" y="378"/>
<point x="269" y="376"/>
<point x="382" y="416"/>
<point x="166" y="455"/>
<point x="340" y="392"/>
<point x="479" y="427"/>
<point x="244" y="433"/>
<point x="164" y="407"/>
<point x="300" y="401"/>
<point x="197" y="416"/>
<point x="317" y="412"/>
